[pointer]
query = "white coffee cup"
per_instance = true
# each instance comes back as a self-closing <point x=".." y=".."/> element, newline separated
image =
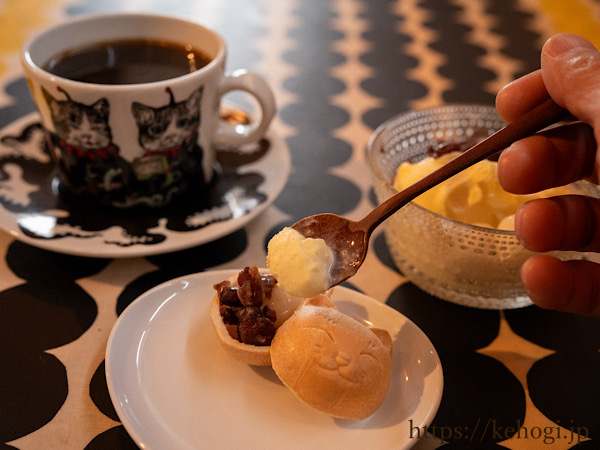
<point x="144" y="143"/>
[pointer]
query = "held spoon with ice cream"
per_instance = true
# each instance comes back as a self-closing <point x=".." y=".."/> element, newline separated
<point x="323" y="250"/>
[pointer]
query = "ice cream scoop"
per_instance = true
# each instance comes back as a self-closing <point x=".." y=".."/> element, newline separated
<point x="301" y="265"/>
<point x="348" y="239"/>
<point x="472" y="196"/>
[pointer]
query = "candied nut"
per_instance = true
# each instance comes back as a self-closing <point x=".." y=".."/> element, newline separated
<point x="250" y="292"/>
<point x="240" y="307"/>
<point x="268" y="283"/>
<point x="233" y="331"/>
<point x="228" y="314"/>
<point x="244" y="275"/>
<point x="219" y="286"/>
<point x="270" y="314"/>
<point x="229" y="296"/>
<point x="256" y="330"/>
<point x="255" y="272"/>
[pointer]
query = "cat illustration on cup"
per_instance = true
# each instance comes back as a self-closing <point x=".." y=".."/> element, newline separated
<point x="83" y="141"/>
<point x="82" y="144"/>
<point x="168" y="136"/>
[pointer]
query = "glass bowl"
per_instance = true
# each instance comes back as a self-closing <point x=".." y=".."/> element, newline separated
<point x="462" y="263"/>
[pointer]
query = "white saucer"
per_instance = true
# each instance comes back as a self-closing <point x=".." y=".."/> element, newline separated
<point x="32" y="211"/>
<point x="173" y="386"/>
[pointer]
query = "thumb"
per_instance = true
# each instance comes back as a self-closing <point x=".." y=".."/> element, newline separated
<point x="571" y="73"/>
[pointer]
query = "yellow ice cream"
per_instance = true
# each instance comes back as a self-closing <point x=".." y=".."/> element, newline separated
<point x="300" y="265"/>
<point x="472" y="196"/>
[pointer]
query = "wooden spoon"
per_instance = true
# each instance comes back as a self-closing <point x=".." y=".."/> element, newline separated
<point x="349" y="239"/>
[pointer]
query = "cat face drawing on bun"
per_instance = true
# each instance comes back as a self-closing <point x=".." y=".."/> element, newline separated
<point x="339" y="366"/>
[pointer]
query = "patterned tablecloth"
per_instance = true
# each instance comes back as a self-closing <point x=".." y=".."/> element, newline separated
<point x="339" y="68"/>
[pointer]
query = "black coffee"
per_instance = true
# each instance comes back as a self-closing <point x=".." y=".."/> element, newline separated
<point x="127" y="62"/>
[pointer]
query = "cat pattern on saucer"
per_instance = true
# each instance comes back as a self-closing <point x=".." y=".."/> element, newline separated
<point x="30" y="202"/>
<point x="82" y="145"/>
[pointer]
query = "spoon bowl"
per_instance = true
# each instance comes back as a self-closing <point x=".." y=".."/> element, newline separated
<point x="348" y="239"/>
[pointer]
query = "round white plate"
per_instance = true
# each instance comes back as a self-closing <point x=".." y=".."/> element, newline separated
<point x="173" y="386"/>
<point x="32" y="211"/>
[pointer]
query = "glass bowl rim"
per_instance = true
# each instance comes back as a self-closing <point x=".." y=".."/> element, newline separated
<point x="385" y="126"/>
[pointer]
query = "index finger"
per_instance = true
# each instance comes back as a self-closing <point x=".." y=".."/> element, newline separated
<point x="521" y="95"/>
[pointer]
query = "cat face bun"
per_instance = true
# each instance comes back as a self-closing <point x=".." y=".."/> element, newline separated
<point x="332" y="362"/>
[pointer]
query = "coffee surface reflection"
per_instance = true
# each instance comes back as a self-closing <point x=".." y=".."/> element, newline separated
<point x="127" y="62"/>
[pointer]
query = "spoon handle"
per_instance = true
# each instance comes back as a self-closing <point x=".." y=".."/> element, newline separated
<point x="543" y="115"/>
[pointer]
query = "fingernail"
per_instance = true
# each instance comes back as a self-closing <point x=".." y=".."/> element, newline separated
<point x="562" y="43"/>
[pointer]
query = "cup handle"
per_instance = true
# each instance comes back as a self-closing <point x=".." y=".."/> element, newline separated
<point x="235" y="134"/>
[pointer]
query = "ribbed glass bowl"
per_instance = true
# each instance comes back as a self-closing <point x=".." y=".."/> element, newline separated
<point x="462" y="263"/>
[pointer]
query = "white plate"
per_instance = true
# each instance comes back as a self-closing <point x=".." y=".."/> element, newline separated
<point x="32" y="211"/>
<point x="174" y="387"/>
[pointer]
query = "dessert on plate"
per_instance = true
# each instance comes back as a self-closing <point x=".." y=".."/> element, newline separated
<point x="330" y="361"/>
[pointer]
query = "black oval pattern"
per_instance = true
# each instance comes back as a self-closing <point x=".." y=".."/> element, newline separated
<point x="478" y="390"/>
<point x="314" y="150"/>
<point x="570" y="374"/>
<point x="41" y="314"/>
<point x="390" y="64"/>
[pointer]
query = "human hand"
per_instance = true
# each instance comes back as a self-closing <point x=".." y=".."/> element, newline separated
<point x="570" y="74"/>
